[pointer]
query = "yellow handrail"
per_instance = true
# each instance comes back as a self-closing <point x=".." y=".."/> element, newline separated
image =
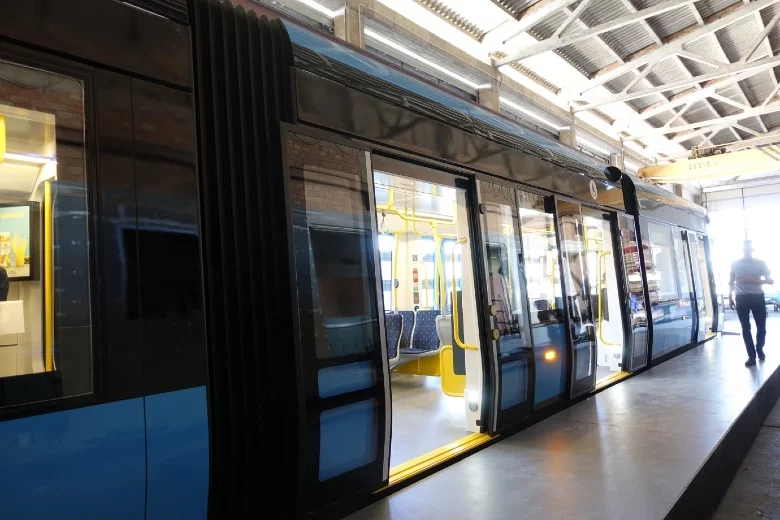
<point x="455" y="323"/>
<point x="48" y="279"/>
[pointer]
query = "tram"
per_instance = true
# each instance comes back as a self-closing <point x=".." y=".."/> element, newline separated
<point x="252" y="267"/>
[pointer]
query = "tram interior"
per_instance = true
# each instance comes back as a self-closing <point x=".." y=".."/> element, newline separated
<point x="426" y="270"/>
<point x="604" y="293"/>
<point x="28" y="151"/>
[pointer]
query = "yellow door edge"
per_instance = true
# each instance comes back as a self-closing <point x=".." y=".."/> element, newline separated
<point x="614" y="378"/>
<point x="433" y="458"/>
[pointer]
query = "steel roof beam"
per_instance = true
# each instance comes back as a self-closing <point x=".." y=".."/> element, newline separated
<point x="754" y="67"/>
<point x="745" y="114"/>
<point x="558" y="41"/>
<point x="672" y="48"/>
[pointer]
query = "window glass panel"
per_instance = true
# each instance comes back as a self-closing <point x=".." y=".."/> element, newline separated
<point x="333" y="248"/>
<point x="660" y="264"/>
<point x="636" y="292"/>
<point x="575" y="270"/>
<point x="45" y="323"/>
<point x="706" y="290"/>
<point x="671" y="308"/>
<point x="503" y="250"/>
<point x="543" y="283"/>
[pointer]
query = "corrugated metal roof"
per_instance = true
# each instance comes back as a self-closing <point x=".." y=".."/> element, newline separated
<point x="737" y="38"/>
<point x="709" y="7"/>
<point x="602" y="11"/>
<point x="671" y="22"/>
<point x="547" y="27"/>
<point x="630" y="39"/>
<point x="588" y="56"/>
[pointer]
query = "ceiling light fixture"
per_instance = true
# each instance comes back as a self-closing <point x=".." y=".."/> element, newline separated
<point x="529" y="113"/>
<point x="32" y="159"/>
<point x="400" y="48"/>
<point x="320" y="8"/>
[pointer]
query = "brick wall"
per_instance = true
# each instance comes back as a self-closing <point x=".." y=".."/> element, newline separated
<point x="51" y="94"/>
<point x="326" y="177"/>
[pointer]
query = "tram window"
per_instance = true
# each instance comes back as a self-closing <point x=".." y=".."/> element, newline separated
<point x="386" y="258"/>
<point x="334" y="248"/>
<point x="45" y="323"/>
<point x="660" y="264"/>
<point x="683" y="265"/>
<point x="543" y="284"/>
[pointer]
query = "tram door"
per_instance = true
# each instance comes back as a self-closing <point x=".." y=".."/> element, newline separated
<point x="512" y="352"/>
<point x="577" y="301"/>
<point x="341" y="347"/>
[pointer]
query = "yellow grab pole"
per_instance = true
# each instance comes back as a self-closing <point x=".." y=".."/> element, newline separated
<point x="48" y="277"/>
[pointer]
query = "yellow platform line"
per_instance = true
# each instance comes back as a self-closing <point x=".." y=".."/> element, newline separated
<point x="433" y="458"/>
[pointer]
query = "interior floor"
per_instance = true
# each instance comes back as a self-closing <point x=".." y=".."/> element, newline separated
<point x="424" y="417"/>
<point x="603" y="372"/>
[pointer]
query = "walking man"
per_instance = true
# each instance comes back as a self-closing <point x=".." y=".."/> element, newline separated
<point x="748" y="274"/>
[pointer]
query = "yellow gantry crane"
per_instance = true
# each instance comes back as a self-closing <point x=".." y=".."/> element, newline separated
<point x="716" y="166"/>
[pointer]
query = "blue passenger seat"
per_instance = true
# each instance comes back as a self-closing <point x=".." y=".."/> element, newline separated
<point x="406" y="330"/>
<point x="425" y="337"/>
<point x="394" y="324"/>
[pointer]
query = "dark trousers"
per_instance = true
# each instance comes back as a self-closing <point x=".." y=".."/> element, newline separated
<point x="747" y="303"/>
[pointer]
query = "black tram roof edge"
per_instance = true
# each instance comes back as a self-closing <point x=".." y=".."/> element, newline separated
<point x="356" y="69"/>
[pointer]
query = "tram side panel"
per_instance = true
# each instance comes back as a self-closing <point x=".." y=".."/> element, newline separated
<point x="170" y="302"/>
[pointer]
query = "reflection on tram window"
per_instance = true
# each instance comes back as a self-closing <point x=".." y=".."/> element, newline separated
<point x="503" y="251"/>
<point x="705" y="276"/>
<point x="636" y="291"/>
<point x="502" y="243"/>
<point x="698" y="285"/>
<point x="333" y="247"/>
<point x="575" y="269"/>
<point x="543" y="283"/>
<point x="45" y="329"/>
<point x="670" y="306"/>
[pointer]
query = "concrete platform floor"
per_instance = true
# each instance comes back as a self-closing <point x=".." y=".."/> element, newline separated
<point x="627" y="452"/>
<point x="755" y="490"/>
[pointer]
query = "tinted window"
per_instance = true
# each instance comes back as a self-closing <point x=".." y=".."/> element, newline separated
<point x="45" y="325"/>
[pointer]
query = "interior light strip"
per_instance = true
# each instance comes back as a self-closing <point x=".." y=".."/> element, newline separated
<point x="529" y="113"/>
<point x="400" y="48"/>
<point x="33" y="159"/>
<point x="320" y="8"/>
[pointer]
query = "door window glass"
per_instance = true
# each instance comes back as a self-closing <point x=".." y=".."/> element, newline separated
<point x="503" y="249"/>
<point x="671" y="308"/>
<point x="45" y="321"/>
<point x="636" y="292"/>
<point x="706" y="290"/>
<point x="577" y="289"/>
<point x="543" y="283"/>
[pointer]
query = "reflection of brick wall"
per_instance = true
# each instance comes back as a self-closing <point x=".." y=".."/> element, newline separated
<point x="332" y="175"/>
<point x="65" y="101"/>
